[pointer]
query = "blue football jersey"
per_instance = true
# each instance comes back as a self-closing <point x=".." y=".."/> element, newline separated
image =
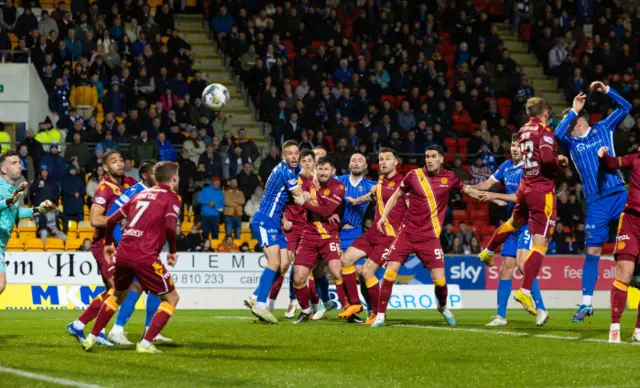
<point x="584" y="150"/>
<point x="281" y="182"/>
<point x="510" y="176"/>
<point x="353" y="215"/>
<point x="120" y="202"/>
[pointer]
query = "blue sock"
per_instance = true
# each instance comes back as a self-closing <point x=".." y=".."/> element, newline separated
<point x="504" y="292"/>
<point x="589" y="274"/>
<point x="266" y="281"/>
<point x="126" y="308"/>
<point x="255" y="292"/>
<point x="322" y="285"/>
<point x="292" y="289"/>
<point x="537" y="296"/>
<point x="153" y="302"/>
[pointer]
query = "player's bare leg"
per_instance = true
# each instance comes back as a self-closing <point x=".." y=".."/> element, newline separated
<point x="386" y="289"/>
<point x="300" y="276"/>
<point x="371" y="281"/>
<point x="507" y="266"/>
<point x="530" y="270"/>
<point x="625" y="265"/>
<point x="350" y="290"/>
<point x="260" y="309"/>
<point x="499" y="237"/>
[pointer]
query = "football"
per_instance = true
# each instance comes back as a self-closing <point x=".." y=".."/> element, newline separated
<point x="215" y="97"/>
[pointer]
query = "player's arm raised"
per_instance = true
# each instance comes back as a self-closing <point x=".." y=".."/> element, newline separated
<point x="613" y="163"/>
<point x="615" y="118"/>
<point x="572" y="114"/>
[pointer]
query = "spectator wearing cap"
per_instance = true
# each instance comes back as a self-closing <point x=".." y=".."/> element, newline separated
<point x="212" y="204"/>
<point x="55" y="164"/>
<point x="115" y="100"/>
<point x="73" y="192"/>
<point x="78" y="150"/>
<point x="166" y="150"/>
<point x="144" y="148"/>
<point x="234" y="201"/>
<point x="44" y="188"/>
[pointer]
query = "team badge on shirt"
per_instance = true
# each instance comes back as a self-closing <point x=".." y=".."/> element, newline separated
<point x="392" y="184"/>
<point x="326" y="192"/>
<point x="444" y="181"/>
<point x="621" y="245"/>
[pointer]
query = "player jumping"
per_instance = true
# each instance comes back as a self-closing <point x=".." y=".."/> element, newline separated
<point x="117" y="334"/>
<point x="536" y="197"/>
<point x="153" y="216"/>
<point x="605" y="191"/>
<point x="110" y="188"/>
<point x="10" y="209"/>
<point x="320" y="237"/>
<point x="427" y="190"/>
<point x="516" y="248"/>
<point x="266" y="224"/>
<point x="373" y="244"/>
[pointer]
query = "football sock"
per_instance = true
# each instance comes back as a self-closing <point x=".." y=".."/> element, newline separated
<point x="264" y="287"/>
<point x="313" y="292"/>
<point x="365" y="293"/>
<point x="589" y="278"/>
<point x="638" y="319"/>
<point x="500" y="235"/>
<point x="532" y="265"/>
<point x="441" y="291"/>
<point x="373" y="289"/>
<point x="302" y="293"/>
<point x="385" y="290"/>
<point x="91" y="312"/>
<point x="160" y="319"/>
<point x="350" y="282"/>
<point x="618" y="300"/>
<point x="275" y="288"/>
<point x="107" y="311"/>
<point x="504" y="292"/>
<point x="342" y="295"/>
<point x="292" y="290"/>
<point x="537" y="296"/>
<point x="126" y="309"/>
<point x="322" y="284"/>
<point x="153" y="302"/>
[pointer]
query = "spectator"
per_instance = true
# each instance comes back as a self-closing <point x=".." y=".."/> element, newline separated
<point x="557" y="57"/>
<point x="55" y="164"/>
<point x="197" y="86"/>
<point x="26" y="163"/>
<point x="406" y="119"/>
<point x="456" y="247"/>
<point x="73" y="44"/>
<point x="475" y="246"/>
<point x="92" y="184"/>
<point x="188" y="176"/>
<point x="205" y="247"/>
<point x="233" y="203"/>
<point x="248" y="181"/>
<point x="44" y="188"/>
<point x="9" y="16"/>
<point x="244" y="247"/>
<point x="221" y="24"/>
<point x="166" y="151"/>
<point x="26" y="23"/>
<point x="47" y="24"/>
<point x="194" y="146"/>
<point x="233" y="163"/>
<point x="269" y="163"/>
<point x="77" y="150"/>
<point x="250" y="150"/>
<point x="446" y="238"/>
<point x="252" y="205"/>
<point x="182" y="243"/>
<point x="479" y="173"/>
<point x="194" y="238"/>
<point x="144" y="148"/>
<point x="59" y="98"/>
<point x="221" y="124"/>
<point x="86" y="245"/>
<point x="228" y="245"/>
<point x="212" y="202"/>
<point x="73" y="192"/>
<point x="49" y="225"/>
<point x="488" y="158"/>
<point x="115" y="101"/>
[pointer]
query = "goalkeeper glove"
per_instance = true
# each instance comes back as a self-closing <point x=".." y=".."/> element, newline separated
<point x="17" y="194"/>
<point x="45" y="207"/>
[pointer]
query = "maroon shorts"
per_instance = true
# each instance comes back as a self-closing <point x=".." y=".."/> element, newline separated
<point x="152" y="275"/>
<point x="106" y="270"/>
<point x="628" y="237"/>
<point x="428" y="249"/>
<point x="310" y="249"/>
<point x="537" y="208"/>
<point x="294" y="236"/>
<point x="374" y="245"/>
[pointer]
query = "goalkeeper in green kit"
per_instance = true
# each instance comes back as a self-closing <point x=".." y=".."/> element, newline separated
<point x="10" y="194"/>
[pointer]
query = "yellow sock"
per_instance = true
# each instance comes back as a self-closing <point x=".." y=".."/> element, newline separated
<point x="440" y="282"/>
<point x="167" y="308"/>
<point x="372" y="282"/>
<point x="390" y="275"/>
<point x="348" y="270"/>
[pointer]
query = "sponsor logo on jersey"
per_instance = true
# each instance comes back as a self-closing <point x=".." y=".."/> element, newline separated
<point x="548" y="139"/>
<point x="176" y="209"/>
<point x="623" y="237"/>
<point x="101" y="201"/>
<point x="583" y="147"/>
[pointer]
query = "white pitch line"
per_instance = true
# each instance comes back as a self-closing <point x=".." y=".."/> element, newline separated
<point x="512" y="333"/>
<point x="48" y="379"/>
<point x="233" y="317"/>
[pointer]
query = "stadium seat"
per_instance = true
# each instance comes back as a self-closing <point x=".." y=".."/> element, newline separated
<point x="525" y="32"/>
<point x="34" y="245"/>
<point x="15" y="245"/>
<point x="73" y="244"/>
<point x="73" y="228"/>
<point x="27" y="229"/>
<point x="54" y="245"/>
<point x="186" y="227"/>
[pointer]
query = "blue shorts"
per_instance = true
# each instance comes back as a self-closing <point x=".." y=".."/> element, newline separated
<point x="601" y="212"/>
<point x="269" y="232"/>
<point x="347" y="236"/>
<point x="520" y="239"/>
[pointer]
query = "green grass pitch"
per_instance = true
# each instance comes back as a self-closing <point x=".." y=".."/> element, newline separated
<point x="228" y="348"/>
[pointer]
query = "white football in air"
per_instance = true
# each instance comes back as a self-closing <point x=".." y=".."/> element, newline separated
<point x="215" y="97"/>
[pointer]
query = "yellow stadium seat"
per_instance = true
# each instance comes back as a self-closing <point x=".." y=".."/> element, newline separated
<point x="54" y="245"/>
<point x="252" y="244"/>
<point x="15" y="245"/>
<point x="14" y="234"/>
<point x="73" y="228"/>
<point x="26" y="229"/>
<point x="34" y="245"/>
<point x="164" y="39"/>
<point x="73" y="244"/>
<point x="186" y="227"/>
<point x="85" y="230"/>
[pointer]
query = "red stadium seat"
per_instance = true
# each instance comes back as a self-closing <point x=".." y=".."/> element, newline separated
<point x="450" y="142"/>
<point x="463" y="141"/>
<point x="399" y="100"/>
<point x="525" y="32"/>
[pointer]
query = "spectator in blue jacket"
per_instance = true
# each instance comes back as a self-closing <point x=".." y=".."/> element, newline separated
<point x="343" y="73"/>
<point x="74" y="45"/>
<point x="211" y="200"/>
<point x="73" y="192"/>
<point x="222" y="23"/>
<point x="167" y="153"/>
<point x="138" y="44"/>
<point x="55" y="164"/>
<point x="59" y="98"/>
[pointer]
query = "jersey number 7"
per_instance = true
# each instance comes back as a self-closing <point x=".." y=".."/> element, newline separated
<point x="141" y="207"/>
